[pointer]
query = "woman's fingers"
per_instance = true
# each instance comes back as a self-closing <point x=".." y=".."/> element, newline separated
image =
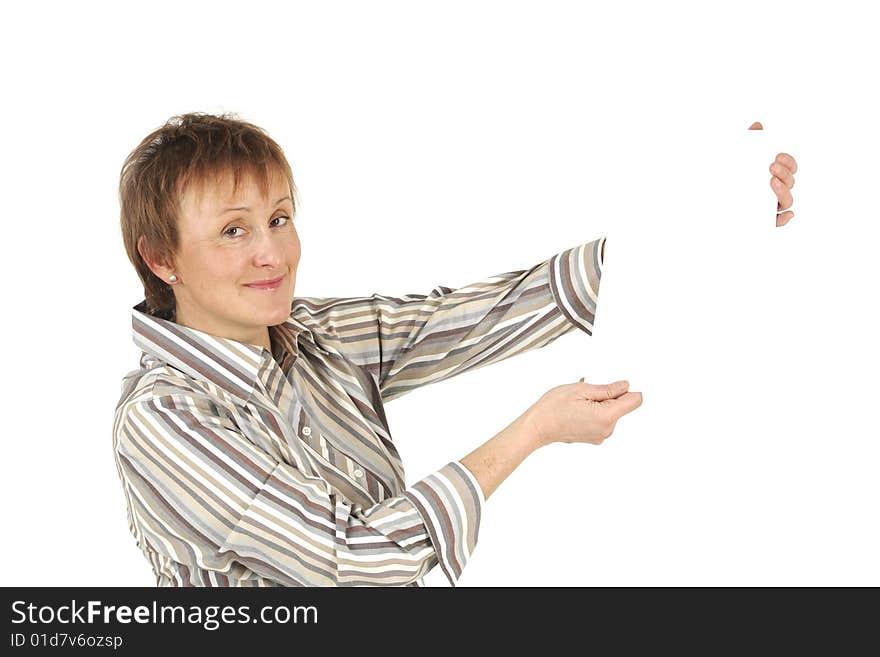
<point x="783" y="195"/>
<point x="783" y="169"/>
<point x="616" y="398"/>
<point x="784" y="218"/>
<point x="602" y="392"/>
<point x="787" y="161"/>
<point x="624" y="404"/>
<point x="782" y="172"/>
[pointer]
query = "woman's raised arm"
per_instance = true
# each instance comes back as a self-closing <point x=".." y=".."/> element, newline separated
<point x="411" y="341"/>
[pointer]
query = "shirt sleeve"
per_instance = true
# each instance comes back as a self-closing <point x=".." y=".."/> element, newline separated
<point x="417" y="339"/>
<point x="207" y="497"/>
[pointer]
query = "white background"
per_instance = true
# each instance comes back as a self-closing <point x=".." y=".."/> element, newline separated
<point x="439" y="143"/>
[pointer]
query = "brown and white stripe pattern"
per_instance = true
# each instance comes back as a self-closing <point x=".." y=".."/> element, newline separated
<point x="245" y="467"/>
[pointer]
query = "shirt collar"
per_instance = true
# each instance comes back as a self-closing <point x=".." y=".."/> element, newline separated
<point x="231" y="365"/>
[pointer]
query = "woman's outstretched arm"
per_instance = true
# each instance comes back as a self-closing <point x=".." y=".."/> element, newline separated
<point x="414" y="340"/>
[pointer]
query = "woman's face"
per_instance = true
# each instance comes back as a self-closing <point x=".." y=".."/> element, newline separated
<point x="228" y="243"/>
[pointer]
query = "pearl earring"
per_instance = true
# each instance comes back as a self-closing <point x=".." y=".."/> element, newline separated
<point x="172" y="278"/>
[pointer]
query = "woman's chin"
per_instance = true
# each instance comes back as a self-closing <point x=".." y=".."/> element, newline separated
<point x="276" y="315"/>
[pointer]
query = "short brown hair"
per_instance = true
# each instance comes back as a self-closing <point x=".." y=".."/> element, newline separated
<point x="189" y="150"/>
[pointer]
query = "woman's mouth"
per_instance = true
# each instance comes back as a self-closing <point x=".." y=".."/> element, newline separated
<point x="273" y="284"/>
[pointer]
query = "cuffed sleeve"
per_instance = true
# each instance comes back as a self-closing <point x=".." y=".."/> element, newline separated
<point x="574" y="279"/>
<point x="450" y="502"/>
<point x="207" y="498"/>
<point x="417" y="339"/>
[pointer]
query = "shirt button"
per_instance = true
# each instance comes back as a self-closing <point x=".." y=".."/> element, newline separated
<point x="358" y="473"/>
<point x="307" y="431"/>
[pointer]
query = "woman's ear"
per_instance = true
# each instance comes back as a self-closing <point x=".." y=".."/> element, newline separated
<point x="158" y="267"/>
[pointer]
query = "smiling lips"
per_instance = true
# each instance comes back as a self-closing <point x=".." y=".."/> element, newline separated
<point x="272" y="284"/>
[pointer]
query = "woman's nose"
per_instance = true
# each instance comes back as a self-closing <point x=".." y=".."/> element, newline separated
<point x="267" y="248"/>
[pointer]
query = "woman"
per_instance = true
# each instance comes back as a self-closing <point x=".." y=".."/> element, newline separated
<point x="252" y="443"/>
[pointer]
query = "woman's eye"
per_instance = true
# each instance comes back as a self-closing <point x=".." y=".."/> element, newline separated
<point x="283" y="220"/>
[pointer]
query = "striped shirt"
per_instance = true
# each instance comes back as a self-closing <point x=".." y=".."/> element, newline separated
<point x="245" y="466"/>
